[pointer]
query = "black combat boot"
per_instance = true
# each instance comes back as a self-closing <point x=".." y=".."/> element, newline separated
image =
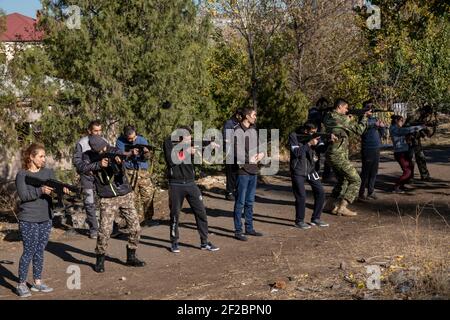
<point x="100" y="264"/>
<point x="132" y="260"/>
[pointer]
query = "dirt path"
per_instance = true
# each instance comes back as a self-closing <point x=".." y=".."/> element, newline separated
<point x="408" y="232"/>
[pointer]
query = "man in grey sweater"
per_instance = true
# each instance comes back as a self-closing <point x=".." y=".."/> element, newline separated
<point x="87" y="180"/>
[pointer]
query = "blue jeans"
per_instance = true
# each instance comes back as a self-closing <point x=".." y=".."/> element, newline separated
<point x="245" y="196"/>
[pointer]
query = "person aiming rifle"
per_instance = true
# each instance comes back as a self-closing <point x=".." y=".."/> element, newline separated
<point x="230" y="168"/>
<point x="402" y="150"/>
<point x="180" y="173"/>
<point x="348" y="180"/>
<point x="370" y="153"/>
<point x="316" y="115"/>
<point x="35" y="215"/>
<point x="424" y="118"/>
<point x="137" y="165"/>
<point x="302" y="145"/>
<point x="116" y="198"/>
<point x="87" y="179"/>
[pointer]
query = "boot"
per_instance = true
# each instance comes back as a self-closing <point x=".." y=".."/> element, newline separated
<point x="100" y="264"/>
<point x="342" y="209"/>
<point x="132" y="260"/>
<point x="330" y="205"/>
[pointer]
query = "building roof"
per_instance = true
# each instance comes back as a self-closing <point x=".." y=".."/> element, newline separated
<point x="20" y="28"/>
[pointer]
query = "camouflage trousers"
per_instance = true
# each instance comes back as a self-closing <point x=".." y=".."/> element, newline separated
<point x="144" y="192"/>
<point x="109" y="209"/>
<point x="421" y="160"/>
<point x="348" y="180"/>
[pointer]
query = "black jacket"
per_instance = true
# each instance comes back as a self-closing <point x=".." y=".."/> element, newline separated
<point x="109" y="182"/>
<point x="302" y="157"/>
<point x="177" y="173"/>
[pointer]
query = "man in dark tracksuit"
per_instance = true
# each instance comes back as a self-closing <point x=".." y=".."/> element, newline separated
<point x="181" y="176"/>
<point x="116" y="197"/>
<point x="302" y="167"/>
<point x="370" y="156"/>
<point x="230" y="168"/>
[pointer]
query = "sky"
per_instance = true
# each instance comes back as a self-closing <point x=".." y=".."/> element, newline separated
<point x="25" y="7"/>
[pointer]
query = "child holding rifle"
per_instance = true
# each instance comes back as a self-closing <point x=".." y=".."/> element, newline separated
<point x="302" y="143"/>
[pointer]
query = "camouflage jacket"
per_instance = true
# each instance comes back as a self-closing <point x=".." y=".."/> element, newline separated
<point x="342" y="126"/>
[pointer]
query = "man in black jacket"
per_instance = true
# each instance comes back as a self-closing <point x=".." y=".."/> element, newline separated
<point x="230" y="168"/>
<point x="115" y="195"/>
<point x="302" y="166"/>
<point x="181" y="175"/>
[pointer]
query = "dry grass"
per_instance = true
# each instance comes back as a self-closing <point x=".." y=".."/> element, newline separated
<point x="415" y="249"/>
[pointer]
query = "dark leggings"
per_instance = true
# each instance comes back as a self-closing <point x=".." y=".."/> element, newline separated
<point x="407" y="165"/>
<point x="35" y="237"/>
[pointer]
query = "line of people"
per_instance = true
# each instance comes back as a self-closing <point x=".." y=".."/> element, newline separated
<point x="118" y="175"/>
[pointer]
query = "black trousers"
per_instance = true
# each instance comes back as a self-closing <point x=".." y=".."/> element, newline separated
<point x="231" y="174"/>
<point x="191" y="192"/>
<point x="298" y="187"/>
<point x="370" y="159"/>
<point x="326" y="174"/>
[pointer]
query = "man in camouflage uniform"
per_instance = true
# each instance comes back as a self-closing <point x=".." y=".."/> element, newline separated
<point x="348" y="180"/>
<point x="115" y="196"/>
<point x="415" y="140"/>
<point x="137" y="172"/>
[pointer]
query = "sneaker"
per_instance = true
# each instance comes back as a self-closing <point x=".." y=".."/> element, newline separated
<point x="229" y="196"/>
<point x="174" y="248"/>
<point x="398" y="190"/>
<point x="93" y="235"/>
<point x="302" y="225"/>
<point x="372" y="196"/>
<point x="253" y="233"/>
<point x="240" y="236"/>
<point x="23" y="291"/>
<point x="319" y="223"/>
<point x="362" y="197"/>
<point x="41" y="288"/>
<point x="209" y="246"/>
